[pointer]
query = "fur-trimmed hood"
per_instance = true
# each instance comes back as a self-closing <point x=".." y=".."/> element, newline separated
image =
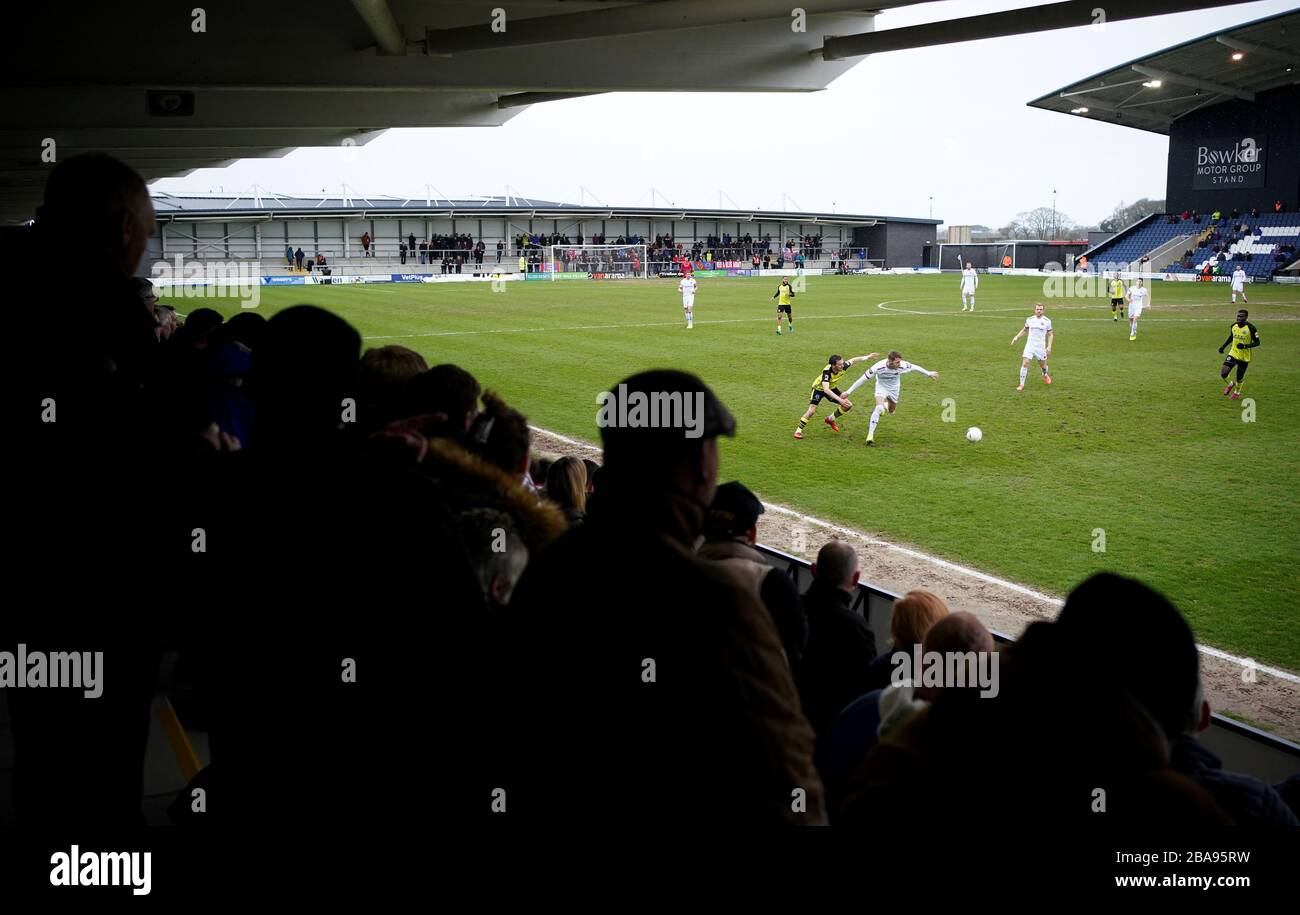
<point x="467" y="481"/>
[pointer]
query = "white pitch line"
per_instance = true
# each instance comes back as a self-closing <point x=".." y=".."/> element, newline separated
<point x="881" y="307"/>
<point x="1271" y="671"/>
<point x="540" y="330"/>
<point x="917" y="554"/>
<point x="1056" y="307"/>
<point x="951" y="566"/>
<point x="568" y="441"/>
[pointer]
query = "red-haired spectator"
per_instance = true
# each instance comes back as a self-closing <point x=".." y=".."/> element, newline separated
<point x="873" y="715"/>
<point x="912" y="616"/>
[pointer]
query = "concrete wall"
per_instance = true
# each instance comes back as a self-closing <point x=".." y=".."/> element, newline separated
<point x="900" y="244"/>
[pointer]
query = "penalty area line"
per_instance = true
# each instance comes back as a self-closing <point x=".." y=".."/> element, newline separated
<point x="945" y="564"/>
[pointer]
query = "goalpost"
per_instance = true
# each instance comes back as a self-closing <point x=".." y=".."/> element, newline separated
<point x="597" y="261"/>
<point x="982" y="255"/>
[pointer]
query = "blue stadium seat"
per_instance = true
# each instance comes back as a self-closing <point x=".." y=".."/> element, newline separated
<point x="1270" y="230"/>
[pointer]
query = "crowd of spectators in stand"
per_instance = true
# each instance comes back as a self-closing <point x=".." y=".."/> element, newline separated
<point x="1223" y="230"/>
<point x="665" y="250"/>
<point x="553" y="622"/>
<point x="299" y="261"/>
<point x="1194" y="215"/>
<point x="455" y="253"/>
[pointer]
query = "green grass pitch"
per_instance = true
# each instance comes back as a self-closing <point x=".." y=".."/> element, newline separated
<point x="1132" y="438"/>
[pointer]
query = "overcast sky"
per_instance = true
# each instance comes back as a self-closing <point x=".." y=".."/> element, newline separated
<point x="948" y="122"/>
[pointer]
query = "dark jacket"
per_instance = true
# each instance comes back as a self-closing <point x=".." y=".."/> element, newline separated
<point x="847" y="741"/>
<point x="774" y="589"/>
<point x="1020" y="756"/>
<point x="1250" y="801"/>
<point x="881" y="669"/>
<point x="657" y="689"/>
<point x="836" y="662"/>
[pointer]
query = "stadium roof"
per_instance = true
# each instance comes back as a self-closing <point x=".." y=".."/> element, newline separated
<point x="143" y="82"/>
<point x="1152" y="92"/>
<point x="169" y="89"/>
<point x="267" y="205"/>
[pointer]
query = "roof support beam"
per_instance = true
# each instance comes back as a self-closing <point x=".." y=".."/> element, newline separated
<point x="379" y="19"/>
<point x="523" y="99"/>
<point x="1047" y="17"/>
<point x="1179" y="79"/>
<point x="1145" y="119"/>
<point x="636" y="18"/>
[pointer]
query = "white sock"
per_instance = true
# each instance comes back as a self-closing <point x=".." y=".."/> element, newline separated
<point x="875" y="419"/>
<point x="1132" y="328"/>
<point x="1024" y="371"/>
<point x="972" y="303"/>
<point x="1044" y="368"/>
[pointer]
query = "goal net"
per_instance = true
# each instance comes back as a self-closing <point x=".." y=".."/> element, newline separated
<point x="597" y="261"/>
<point x="980" y="255"/>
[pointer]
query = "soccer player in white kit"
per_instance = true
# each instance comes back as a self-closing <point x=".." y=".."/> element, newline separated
<point x="1139" y="298"/>
<point x="969" y="282"/>
<point x="1038" y="346"/>
<point x="887" y="373"/>
<point x="1239" y="285"/>
<point x="687" y="288"/>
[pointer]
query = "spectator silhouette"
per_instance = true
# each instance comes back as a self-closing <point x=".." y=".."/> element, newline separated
<point x="86" y="423"/>
<point x="671" y="701"/>
<point x="1156" y="662"/>
<point x="856" y="729"/>
<point x="730" y="532"/>
<point x="910" y="618"/>
<point x="381" y="381"/>
<point x="566" y="486"/>
<point x="836" y="665"/>
<point x="1027" y="740"/>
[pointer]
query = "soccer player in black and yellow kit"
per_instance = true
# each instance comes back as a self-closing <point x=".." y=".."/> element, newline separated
<point x="1243" y="338"/>
<point x="825" y="386"/>
<point x="1117" y="310"/>
<point x="784" y="296"/>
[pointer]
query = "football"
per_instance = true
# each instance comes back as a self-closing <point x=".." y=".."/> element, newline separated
<point x="973" y="434"/>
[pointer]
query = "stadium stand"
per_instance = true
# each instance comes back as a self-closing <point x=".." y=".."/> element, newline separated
<point x="1261" y="250"/>
<point x="256" y="228"/>
<point x="1129" y="246"/>
<point x="1264" y="249"/>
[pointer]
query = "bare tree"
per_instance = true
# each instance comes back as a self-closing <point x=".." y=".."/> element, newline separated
<point x="1043" y="222"/>
<point x="1125" y="215"/>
